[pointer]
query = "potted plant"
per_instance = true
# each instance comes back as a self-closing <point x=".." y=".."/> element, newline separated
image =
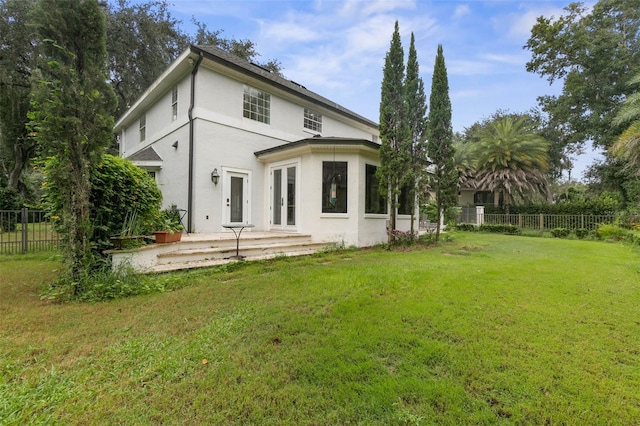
<point x="130" y="235"/>
<point x="169" y="227"/>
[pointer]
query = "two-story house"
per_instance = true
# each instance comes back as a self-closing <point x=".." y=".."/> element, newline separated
<point x="232" y="143"/>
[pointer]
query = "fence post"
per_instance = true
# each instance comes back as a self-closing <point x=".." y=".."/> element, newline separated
<point x="479" y="215"/>
<point x="541" y="222"/>
<point x="582" y="221"/>
<point x="25" y="230"/>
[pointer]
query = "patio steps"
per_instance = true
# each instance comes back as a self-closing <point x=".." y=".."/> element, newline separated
<point x="197" y="251"/>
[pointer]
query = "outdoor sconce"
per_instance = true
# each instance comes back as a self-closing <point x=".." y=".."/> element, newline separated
<point x="215" y="176"/>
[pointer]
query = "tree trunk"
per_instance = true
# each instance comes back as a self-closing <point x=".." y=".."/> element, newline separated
<point x="392" y="214"/>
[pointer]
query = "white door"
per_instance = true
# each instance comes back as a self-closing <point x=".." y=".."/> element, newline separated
<point x="284" y="196"/>
<point x="236" y="198"/>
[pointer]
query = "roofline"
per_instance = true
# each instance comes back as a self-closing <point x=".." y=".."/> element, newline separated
<point x="281" y="83"/>
<point x="319" y="141"/>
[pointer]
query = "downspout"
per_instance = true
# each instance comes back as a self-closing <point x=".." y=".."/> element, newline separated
<point x="194" y="71"/>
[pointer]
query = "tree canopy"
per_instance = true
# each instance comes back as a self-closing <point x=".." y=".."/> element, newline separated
<point x="627" y="146"/>
<point x="444" y="180"/>
<point x="394" y="132"/>
<point x="595" y="51"/>
<point x="511" y="157"/>
<point x="142" y="39"/>
<point x="416" y="117"/>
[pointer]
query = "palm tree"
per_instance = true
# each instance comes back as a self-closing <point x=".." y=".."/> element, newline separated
<point x="627" y="146"/>
<point x="512" y="158"/>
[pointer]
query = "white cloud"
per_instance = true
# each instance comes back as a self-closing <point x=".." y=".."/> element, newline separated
<point x="518" y="59"/>
<point x="372" y="7"/>
<point x="520" y="24"/>
<point x="287" y="31"/>
<point x="461" y="10"/>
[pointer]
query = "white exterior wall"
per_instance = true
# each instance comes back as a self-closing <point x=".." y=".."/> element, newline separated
<point x="226" y="141"/>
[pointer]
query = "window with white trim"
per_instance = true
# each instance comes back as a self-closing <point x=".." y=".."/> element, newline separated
<point x="312" y="120"/>
<point x="143" y="127"/>
<point x="374" y="202"/>
<point x="334" y="187"/>
<point x="405" y="200"/>
<point x="174" y="103"/>
<point x="256" y="105"/>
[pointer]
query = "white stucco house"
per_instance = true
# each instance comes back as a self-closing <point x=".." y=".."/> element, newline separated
<point x="232" y="143"/>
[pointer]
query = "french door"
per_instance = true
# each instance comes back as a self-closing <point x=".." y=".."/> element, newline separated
<point x="284" y="196"/>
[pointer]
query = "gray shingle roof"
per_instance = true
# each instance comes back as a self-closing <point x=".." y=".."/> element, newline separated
<point x="233" y="61"/>
<point x="319" y="141"/>
<point x="147" y="154"/>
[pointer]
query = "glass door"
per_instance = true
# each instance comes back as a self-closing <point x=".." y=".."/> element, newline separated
<point x="237" y="198"/>
<point x="284" y="196"/>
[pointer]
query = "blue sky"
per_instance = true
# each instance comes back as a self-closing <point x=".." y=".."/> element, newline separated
<point x="336" y="48"/>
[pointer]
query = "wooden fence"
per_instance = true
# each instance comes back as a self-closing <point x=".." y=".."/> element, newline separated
<point x="26" y="231"/>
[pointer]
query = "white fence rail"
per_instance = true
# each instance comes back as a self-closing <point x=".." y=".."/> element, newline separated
<point x="540" y="221"/>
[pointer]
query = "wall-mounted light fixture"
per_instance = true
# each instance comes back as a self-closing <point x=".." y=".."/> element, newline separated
<point x="215" y="176"/>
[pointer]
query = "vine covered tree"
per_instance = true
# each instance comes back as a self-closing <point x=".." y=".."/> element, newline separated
<point x="72" y="114"/>
<point x="444" y="179"/>
<point x="394" y="132"/>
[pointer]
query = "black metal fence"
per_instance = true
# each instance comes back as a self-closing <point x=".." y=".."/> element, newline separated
<point x="26" y="231"/>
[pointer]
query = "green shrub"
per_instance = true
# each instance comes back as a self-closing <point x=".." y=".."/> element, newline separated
<point x="581" y="233"/>
<point x="560" y="232"/>
<point x="403" y="239"/>
<point x="103" y="284"/>
<point x="119" y="191"/>
<point x="611" y="232"/>
<point x="629" y="219"/>
<point x="466" y="227"/>
<point x="500" y="228"/>
<point x="606" y="204"/>
<point x="633" y="238"/>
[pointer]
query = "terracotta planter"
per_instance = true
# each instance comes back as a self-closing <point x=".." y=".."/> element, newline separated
<point x="167" y="237"/>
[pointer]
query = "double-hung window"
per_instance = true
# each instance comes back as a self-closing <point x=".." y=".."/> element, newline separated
<point x="143" y="127"/>
<point x="174" y="103"/>
<point x="256" y="105"/>
<point x="312" y="120"/>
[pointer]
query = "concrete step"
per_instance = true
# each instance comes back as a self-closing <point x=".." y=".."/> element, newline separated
<point x="246" y="249"/>
<point x="197" y="241"/>
<point x="176" y="266"/>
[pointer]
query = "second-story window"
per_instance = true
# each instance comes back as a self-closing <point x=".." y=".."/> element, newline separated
<point x="256" y="105"/>
<point x="143" y="127"/>
<point x="174" y="103"/>
<point x="312" y="120"/>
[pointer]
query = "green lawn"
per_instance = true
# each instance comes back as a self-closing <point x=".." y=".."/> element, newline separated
<point x="489" y="329"/>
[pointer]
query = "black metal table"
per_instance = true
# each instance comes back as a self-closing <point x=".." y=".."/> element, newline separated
<point x="237" y="229"/>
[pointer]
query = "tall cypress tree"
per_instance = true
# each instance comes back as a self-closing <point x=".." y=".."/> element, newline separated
<point x="393" y="128"/>
<point x="72" y="114"/>
<point x="440" y="140"/>
<point x="416" y="119"/>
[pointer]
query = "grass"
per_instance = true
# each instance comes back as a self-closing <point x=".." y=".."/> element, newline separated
<point x="489" y="329"/>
